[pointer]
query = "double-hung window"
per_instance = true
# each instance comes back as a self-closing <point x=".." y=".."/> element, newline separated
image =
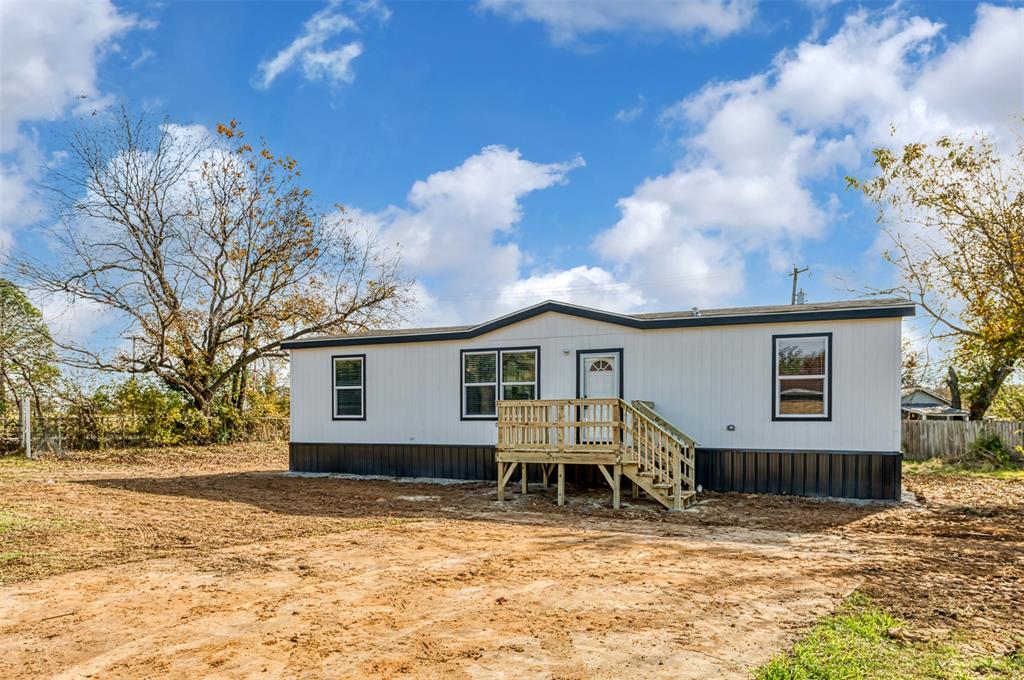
<point x="490" y="375"/>
<point x="802" y="376"/>
<point x="479" y="384"/>
<point x="350" y="387"/>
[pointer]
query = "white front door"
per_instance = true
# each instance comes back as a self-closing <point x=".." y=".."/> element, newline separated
<point x="600" y="376"/>
<point x="599" y="379"/>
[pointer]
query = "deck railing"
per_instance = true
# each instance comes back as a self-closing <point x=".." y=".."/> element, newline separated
<point x="632" y="433"/>
<point x="560" y="425"/>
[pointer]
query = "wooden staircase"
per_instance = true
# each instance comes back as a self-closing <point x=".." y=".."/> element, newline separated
<point x="657" y="456"/>
<point x="630" y="438"/>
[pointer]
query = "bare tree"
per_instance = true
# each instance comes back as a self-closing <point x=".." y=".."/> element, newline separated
<point x="210" y="248"/>
<point x="954" y="212"/>
<point x="914" y="369"/>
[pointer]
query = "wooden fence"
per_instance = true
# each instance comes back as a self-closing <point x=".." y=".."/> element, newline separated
<point x="949" y="440"/>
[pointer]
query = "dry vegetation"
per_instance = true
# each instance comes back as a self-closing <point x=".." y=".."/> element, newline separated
<point x="209" y="561"/>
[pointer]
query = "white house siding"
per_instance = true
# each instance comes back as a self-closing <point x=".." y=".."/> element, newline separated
<point x="701" y="379"/>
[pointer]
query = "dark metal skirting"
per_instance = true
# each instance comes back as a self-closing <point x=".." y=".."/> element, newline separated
<point x="416" y="460"/>
<point x="395" y="460"/>
<point x="868" y="475"/>
<point x="838" y="474"/>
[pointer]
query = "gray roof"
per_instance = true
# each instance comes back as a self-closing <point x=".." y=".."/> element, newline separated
<point x="933" y="410"/>
<point x="849" y="309"/>
<point x="779" y="309"/>
<point x="909" y="391"/>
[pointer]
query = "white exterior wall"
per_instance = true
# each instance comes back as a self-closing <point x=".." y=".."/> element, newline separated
<point x="701" y="379"/>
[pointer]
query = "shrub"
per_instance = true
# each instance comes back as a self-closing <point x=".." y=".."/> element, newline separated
<point x="988" y="448"/>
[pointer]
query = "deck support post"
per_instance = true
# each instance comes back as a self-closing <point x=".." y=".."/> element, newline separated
<point x="622" y="439"/>
<point x="616" y="487"/>
<point x="501" y="481"/>
<point x="677" y="484"/>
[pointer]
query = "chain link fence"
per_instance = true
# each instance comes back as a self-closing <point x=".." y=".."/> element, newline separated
<point x="10" y="432"/>
<point x="57" y="434"/>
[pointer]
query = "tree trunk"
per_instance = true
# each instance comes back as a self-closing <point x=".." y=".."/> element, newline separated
<point x="987" y="389"/>
<point x="204" y="404"/>
<point x="243" y="385"/>
<point x="954" y="388"/>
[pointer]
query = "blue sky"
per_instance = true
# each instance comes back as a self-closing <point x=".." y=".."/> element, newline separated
<point x="625" y="156"/>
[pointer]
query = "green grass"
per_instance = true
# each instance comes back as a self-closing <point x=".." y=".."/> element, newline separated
<point x="941" y="467"/>
<point x="855" y="644"/>
<point x="12" y="555"/>
<point x="10" y="522"/>
<point x="16" y="461"/>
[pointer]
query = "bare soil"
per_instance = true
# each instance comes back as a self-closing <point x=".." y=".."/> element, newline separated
<point x="212" y="563"/>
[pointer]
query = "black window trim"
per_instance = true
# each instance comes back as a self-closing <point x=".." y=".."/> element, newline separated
<point x="334" y="386"/>
<point x="498" y="376"/>
<point x="827" y="417"/>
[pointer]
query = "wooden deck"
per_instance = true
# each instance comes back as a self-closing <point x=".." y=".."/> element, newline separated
<point x="622" y="439"/>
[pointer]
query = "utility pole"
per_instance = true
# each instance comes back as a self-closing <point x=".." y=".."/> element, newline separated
<point x="134" y="339"/>
<point x="796" y="274"/>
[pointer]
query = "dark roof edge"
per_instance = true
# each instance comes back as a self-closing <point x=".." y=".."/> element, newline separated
<point x="889" y="311"/>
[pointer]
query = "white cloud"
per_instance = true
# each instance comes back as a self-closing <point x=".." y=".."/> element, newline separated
<point x="631" y="114"/>
<point x="48" y="57"/>
<point x="332" y="65"/>
<point x="981" y="79"/>
<point x="587" y="286"/>
<point x="455" y="217"/>
<point x="752" y="147"/>
<point x="144" y="55"/>
<point x="310" y="48"/>
<point x="74" y="321"/>
<point x="567" y="20"/>
<point x="456" y="236"/>
<point x="49" y="53"/>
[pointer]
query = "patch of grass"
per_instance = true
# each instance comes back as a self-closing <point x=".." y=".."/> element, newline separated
<point x="941" y="467"/>
<point x="11" y="522"/>
<point x="862" y="641"/>
<point x="12" y="555"/>
<point x="16" y="461"/>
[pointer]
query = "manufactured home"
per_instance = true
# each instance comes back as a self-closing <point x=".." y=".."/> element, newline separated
<point x="796" y="399"/>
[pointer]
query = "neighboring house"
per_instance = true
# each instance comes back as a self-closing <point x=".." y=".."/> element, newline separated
<point x="795" y="399"/>
<point x="919" y="403"/>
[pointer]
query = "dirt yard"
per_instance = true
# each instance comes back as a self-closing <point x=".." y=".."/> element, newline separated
<point x="212" y="563"/>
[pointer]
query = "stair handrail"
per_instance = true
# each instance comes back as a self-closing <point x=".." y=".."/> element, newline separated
<point x="677" y="463"/>
<point x="646" y="409"/>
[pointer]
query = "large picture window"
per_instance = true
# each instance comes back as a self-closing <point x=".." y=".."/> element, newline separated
<point x="490" y="375"/>
<point x="350" y="387"/>
<point x="802" y="367"/>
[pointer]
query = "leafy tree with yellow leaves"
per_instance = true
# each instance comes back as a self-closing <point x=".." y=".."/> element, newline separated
<point x="28" y="364"/>
<point x="954" y="211"/>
